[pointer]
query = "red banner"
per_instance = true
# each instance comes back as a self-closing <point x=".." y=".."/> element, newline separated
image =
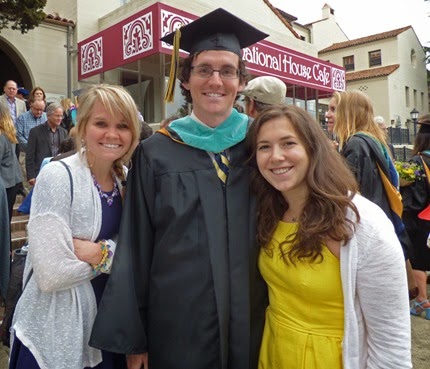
<point x="139" y="36"/>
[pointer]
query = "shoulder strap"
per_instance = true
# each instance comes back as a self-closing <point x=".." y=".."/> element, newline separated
<point x="393" y="195"/>
<point x="30" y="273"/>
<point x="70" y="178"/>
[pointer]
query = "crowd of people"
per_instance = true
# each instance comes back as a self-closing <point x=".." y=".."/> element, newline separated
<point x="226" y="239"/>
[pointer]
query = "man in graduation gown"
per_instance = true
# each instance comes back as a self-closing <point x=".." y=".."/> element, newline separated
<point x="185" y="291"/>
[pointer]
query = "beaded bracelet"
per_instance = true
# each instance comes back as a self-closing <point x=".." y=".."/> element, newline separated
<point x="106" y="254"/>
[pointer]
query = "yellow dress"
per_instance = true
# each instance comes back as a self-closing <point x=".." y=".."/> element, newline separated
<point x="304" y="320"/>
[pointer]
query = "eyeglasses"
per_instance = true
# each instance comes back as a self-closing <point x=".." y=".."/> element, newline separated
<point x="204" y="71"/>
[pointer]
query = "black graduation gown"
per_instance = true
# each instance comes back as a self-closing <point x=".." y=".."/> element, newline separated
<point x="185" y="286"/>
<point x="416" y="198"/>
<point x="363" y="154"/>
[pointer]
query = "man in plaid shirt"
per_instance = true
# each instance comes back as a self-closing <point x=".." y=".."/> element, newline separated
<point x="24" y="123"/>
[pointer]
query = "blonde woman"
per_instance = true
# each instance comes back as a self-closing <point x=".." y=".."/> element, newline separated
<point x="9" y="165"/>
<point x="74" y="220"/>
<point x="68" y="106"/>
<point x="364" y="146"/>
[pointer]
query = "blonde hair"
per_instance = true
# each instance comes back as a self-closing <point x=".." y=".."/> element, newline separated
<point x="116" y="100"/>
<point x="354" y="113"/>
<point x="66" y="103"/>
<point x="6" y="124"/>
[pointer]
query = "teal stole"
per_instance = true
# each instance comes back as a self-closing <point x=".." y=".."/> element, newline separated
<point x="229" y="133"/>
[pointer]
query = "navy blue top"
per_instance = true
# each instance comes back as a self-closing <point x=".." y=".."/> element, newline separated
<point x="111" y="218"/>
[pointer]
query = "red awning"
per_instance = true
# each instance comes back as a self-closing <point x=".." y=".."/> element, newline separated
<point x="139" y="36"/>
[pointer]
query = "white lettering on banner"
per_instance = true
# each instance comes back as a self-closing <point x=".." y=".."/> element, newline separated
<point x="321" y="75"/>
<point x="296" y="69"/>
<point x="256" y="57"/>
<point x="288" y="64"/>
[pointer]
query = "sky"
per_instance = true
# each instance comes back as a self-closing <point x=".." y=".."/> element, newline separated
<point x="366" y="17"/>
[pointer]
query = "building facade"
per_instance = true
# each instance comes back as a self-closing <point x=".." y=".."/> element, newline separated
<point x="390" y="68"/>
<point x="115" y="41"/>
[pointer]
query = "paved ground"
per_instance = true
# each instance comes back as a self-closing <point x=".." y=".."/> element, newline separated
<point x="420" y="343"/>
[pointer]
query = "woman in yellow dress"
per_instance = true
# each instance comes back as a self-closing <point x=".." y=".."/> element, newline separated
<point x="338" y="295"/>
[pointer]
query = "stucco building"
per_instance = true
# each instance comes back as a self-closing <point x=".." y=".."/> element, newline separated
<point x="117" y="41"/>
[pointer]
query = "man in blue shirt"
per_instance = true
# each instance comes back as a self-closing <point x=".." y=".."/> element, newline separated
<point x="24" y="123"/>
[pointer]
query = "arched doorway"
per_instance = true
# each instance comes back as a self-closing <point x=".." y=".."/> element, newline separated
<point x="13" y="66"/>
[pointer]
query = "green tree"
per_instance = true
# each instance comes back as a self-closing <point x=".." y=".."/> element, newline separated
<point x="23" y="15"/>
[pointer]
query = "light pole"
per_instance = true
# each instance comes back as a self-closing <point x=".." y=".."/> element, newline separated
<point x="414" y="115"/>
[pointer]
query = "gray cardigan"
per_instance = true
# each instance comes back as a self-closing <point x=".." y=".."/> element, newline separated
<point x="56" y="311"/>
<point x="9" y="165"/>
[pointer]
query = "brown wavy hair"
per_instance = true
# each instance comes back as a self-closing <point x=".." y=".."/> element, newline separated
<point x="185" y="73"/>
<point x="331" y="189"/>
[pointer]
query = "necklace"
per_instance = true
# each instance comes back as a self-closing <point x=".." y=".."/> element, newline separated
<point x="104" y="195"/>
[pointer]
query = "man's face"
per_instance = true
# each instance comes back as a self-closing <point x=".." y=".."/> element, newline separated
<point x="37" y="108"/>
<point x="10" y="89"/>
<point x="54" y="120"/>
<point x="213" y="97"/>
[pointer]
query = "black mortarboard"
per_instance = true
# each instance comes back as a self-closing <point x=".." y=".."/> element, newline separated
<point x="217" y="30"/>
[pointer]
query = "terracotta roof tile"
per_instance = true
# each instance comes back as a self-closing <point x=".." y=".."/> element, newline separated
<point x="364" y="40"/>
<point x="371" y="73"/>
<point x="57" y="19"/>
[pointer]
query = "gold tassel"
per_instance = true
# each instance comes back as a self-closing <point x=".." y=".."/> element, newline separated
<point x="174" y="66"/>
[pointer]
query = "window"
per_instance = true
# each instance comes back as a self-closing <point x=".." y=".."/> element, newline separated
<point x="407" y="97"/>
<point x="348" y="63"/>
<point x="375" y="58"/>
<point x="413" y="58"/>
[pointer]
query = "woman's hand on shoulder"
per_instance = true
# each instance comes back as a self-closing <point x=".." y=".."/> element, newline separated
<point x="87" y="251"/>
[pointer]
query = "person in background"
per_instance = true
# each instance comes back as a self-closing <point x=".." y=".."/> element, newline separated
<point x="9" y="100"/>
<point x="22" y="94"/>
<point x="16" y="108"/>
<point x="185" y="291"/>
<point x="262" y="92"/>
<point x="75" y="215"/>
<point x="330" y="117"/>
<point x="25" y="122"/>
<point x="416" y="197"/>
<point x="166" y="121"/>
<point x="4" y="245"/>
<point x="363" y="144"/>
<point x="74" y="111"/>
<point x="44" y="141"/>
<point x="145" y="129"/>
<point x="67" y="148"/>
<point x="68" y="106"/>
<point x="9" y="166"/>
<point x="323" y="247"/>
<point x="380" y="121"/>
<point x="37" y="93"/>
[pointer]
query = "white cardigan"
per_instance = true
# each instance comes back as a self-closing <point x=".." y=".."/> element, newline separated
<point x="56" y="311"/>
<point x="377" y="319"/>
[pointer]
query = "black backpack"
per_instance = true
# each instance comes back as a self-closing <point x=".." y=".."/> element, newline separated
<point x="67" y="121"/>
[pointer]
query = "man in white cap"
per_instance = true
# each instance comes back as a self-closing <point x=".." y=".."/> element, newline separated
<point x="262" y="92"/>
